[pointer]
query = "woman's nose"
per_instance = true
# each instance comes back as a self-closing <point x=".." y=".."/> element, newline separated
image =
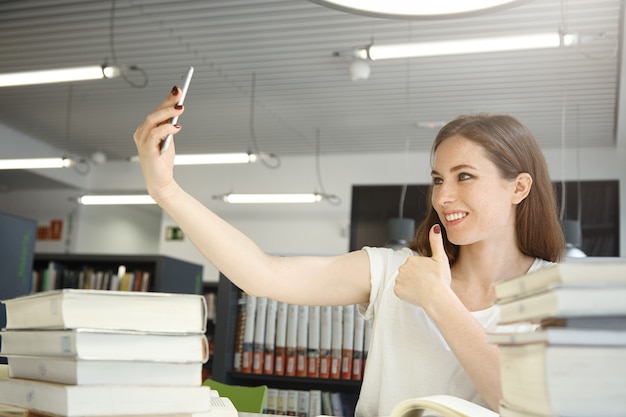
<point x="444" y="194"/>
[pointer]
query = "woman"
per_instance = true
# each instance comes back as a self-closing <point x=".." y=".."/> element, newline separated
<point x="493" y="216"/>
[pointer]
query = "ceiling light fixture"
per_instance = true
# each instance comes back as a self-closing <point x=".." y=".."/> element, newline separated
<point x="375" y="52"/>
<point x="270" y="198"/>
<point x="34" y="163"/>
<point x="211" y="158"/>
<point x="403" y="9"/>
<point x="120" y="199"/>
<point x="93" y="72"/>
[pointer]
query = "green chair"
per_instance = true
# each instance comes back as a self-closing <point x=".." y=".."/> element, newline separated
<point x="245" y="399"/>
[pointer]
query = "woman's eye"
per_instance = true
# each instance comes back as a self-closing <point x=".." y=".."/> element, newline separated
<point x="464" y="176"/>
<point x="437" y="181"/>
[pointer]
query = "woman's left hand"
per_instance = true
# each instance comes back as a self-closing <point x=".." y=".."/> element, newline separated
<point x="421" y="278"/>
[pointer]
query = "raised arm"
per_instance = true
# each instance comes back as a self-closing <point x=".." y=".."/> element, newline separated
<point x="300" y="280"/>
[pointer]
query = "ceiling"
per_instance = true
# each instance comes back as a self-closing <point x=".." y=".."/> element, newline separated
<point x="281" y="52"/>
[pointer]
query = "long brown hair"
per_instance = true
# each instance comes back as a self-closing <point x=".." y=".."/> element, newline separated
<point x="513" y="149"/>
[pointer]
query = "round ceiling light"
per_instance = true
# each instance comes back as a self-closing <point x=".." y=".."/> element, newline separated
<point x="418" y="9"/>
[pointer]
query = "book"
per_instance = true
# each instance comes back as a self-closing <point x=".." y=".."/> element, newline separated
<point x="291" y="341"/>
<point x="559" y="380"/>
<point x="565" y="302"/>
<point x="444" y="405"/>
<point x="325" y="340"/>
<point x="240" y="324"/>
<point x="106" y="345"/>
<point x="587" y="274"/>
<point x="100" y="372"/>
<point x="248" y="334"/>
<point x="313" y="350"/>
<point x="270" y="337"/>
<point x="302" y="341"/>
<point x="281" y="338"/>
<point x="562" y="336"/>
<point x="347" y="344"/>
<point x="304" y="398"/>
<point x="336" y="404"/>
<point x="258" y="347"/>
<point x="292" y="402"/>
<point x="357" y="354"/>
<point x="584" y="322"/>
<point x="271" y="398"/>
<point x="96" y="400"/>
<point x="336" y="342"/>
<point x="281" y="402"/>
<point x="109" y="310"/>
<point x="315" y="402"/>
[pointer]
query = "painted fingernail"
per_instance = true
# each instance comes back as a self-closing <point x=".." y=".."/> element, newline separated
<point x="178" y="107"/>
<point x="175" y="91"/>
<point x="437" y="229"/>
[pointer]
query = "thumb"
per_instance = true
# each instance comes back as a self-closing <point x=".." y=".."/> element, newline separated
<point x="436" y="245"/>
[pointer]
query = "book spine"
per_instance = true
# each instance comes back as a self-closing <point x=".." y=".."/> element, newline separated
<point x="259" y="335"/>
<point x="313" y="352"/>
<point x="271" y="400"/>
<point x="248" y="335"/>
<point x="240" y="324"/>
<point x="347" y="350"/>
<point x="315" y="403"/>
<point x="281" y="402"/>
<point x="326" y="313"/>
<point x="302" y="340"/>
<point x="303" y="403"/>
<point x="357" y="357"/>
<point x="336" y="342"/>
<point x="281" y="339"/>
<point x="292" y="340"/>
<point x="292" y="402"/>
<point x="270" y="337"/>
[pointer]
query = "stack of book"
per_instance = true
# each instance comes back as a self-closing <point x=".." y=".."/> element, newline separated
<point x="571" y="361"/>
<point x="94" y="353"/>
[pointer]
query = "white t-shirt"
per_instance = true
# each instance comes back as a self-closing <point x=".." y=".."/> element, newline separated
<point x="408" y="357"/>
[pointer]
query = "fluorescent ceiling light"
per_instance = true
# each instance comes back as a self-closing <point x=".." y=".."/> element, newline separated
<point x="92" y="72"/>
<point x="35" y="163"/>
<point x="210" y="158"/>
<point x="270" y="198"/>
<point x="121" y="199"/>
<point x="465" y="46"/>
<point x="413" y="9"/>
<point x="215" y="158"/>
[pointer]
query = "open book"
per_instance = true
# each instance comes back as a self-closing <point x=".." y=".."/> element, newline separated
<point x="444" y="405"/>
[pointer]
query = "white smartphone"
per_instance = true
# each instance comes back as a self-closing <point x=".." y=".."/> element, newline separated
<point x="186" y="80"/>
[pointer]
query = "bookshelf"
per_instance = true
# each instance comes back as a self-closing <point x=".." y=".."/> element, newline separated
<point x="166" y="274"/>
<point x="227" y="306"/>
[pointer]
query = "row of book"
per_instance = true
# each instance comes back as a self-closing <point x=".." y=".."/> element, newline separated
<point x="277" y="338"/>
<point x="96" y="353"/>
<point x="56" y="276"/>
<point x="309" y="403"/>
<point x="571" y="361"/>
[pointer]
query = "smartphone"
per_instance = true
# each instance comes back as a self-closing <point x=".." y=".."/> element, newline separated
<point x="186" y="80"/>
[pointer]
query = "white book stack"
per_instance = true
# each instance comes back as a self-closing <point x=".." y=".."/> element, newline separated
<point x="96" y="353"/>
<point x="571" y="360"/>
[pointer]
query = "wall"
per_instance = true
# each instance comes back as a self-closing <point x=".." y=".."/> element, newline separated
<point x="286" y="230"/>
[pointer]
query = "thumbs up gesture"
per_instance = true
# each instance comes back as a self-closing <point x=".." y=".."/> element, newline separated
<point x="421" y="278"/>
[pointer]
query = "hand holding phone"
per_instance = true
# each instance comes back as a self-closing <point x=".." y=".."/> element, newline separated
<point x="184" y="87"/>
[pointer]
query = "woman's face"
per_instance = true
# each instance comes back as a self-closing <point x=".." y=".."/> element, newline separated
<point x="473" y="201"/>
